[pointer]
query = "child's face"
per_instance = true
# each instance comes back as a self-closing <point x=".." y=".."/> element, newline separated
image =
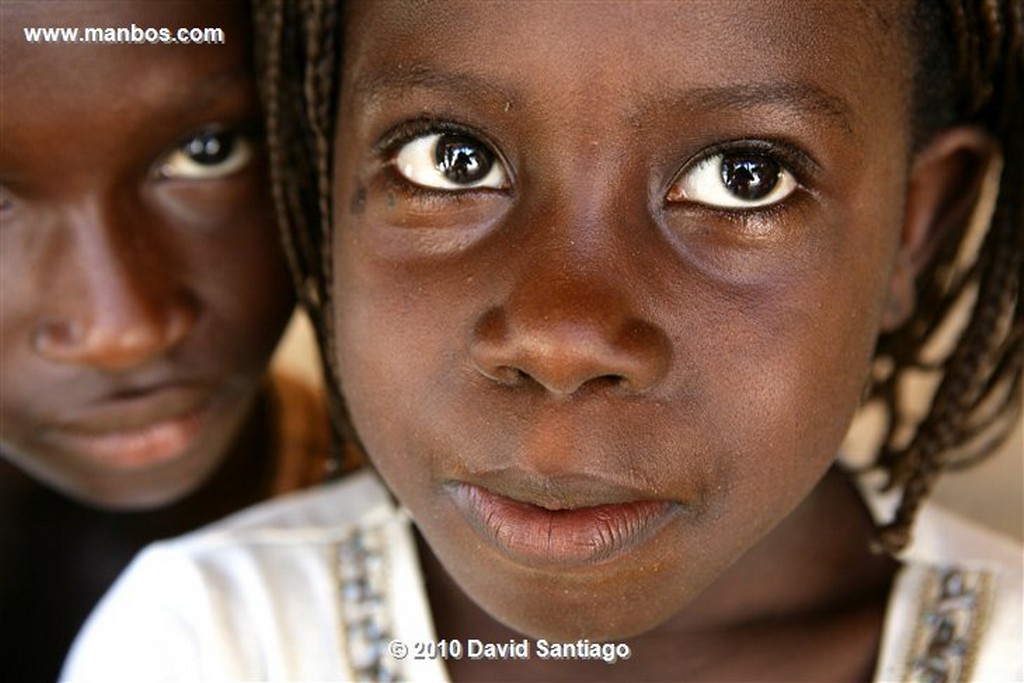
<point x="143" y="287"/>
<point x="608" y="280"/>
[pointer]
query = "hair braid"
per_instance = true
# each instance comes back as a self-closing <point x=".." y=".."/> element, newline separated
<point x="296" y="65"/>
<point x="984" y="366"/>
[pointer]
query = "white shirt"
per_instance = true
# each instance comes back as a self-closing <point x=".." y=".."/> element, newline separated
<point x="315" y="585"/>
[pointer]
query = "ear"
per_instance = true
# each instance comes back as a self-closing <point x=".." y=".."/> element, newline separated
<point x="946" y="181"/>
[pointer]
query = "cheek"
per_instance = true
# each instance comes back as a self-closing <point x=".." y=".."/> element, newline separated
<point x="231" y="258"/>
<point x="26" y="416"/>
<point x="383" y="345"/>
<point x="790" y="360"/>
<point x="26" y="294"/>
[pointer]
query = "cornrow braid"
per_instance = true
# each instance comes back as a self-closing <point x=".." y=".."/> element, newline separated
<point x="297" y="50"/>
<point x="978" y="397"/>
<point x="979" y="391"/>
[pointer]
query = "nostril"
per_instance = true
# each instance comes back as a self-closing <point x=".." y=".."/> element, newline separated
<point x="616" y="381"/>
<point x="605" y="383"/>
<point x="506" y="375"/>
<point x="52" y="336"/>
<point x="566" y="353"/>
<point x="117" y="339"/>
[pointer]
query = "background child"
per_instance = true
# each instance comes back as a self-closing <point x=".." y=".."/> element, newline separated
<point x="143" y="290"/>
<point x="603" y="286"/>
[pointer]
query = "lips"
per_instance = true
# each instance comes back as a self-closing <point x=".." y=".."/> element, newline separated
<point x="137" y="430"/>
<point x="568" y="537"/>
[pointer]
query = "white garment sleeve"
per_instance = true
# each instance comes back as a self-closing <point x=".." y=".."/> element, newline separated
<point x="144" y="628"/>
<point x="258" y="596"/>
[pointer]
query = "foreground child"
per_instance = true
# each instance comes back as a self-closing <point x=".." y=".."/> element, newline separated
<point x="603" y="285"/>
<point x="143" y="290"/>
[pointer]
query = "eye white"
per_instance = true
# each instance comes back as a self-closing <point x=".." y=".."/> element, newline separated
<point x="704" y="183"/>
<point x="207" y="156"/>
<point x="417" y="162"/>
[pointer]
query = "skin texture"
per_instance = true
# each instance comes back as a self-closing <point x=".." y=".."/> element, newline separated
<point x="582" y="335"/>
<point x="139" y="305"/>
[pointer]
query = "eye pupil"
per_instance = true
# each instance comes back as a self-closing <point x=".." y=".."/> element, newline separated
<point x="750" y="177"/>
<point x="462" y="159"/>
<point x="209" y="149"/>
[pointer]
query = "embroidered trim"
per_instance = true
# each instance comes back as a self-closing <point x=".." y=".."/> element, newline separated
<point x="362" y="578"/>
<point x="954" y="608"/>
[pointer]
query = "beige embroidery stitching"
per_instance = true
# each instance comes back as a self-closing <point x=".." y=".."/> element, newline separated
<point x="954" y="609"/>
<point x="363" y="577"/>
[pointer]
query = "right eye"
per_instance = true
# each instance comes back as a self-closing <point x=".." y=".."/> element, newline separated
<point x="735" y="180"/>
<point x="450" y="161"/>
<point x="206" y="155"/>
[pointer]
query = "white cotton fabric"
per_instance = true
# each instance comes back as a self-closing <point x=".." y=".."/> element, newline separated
<point x="255" y="597"/>
<point x="942" y="541"/>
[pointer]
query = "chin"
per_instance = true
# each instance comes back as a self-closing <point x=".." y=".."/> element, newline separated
<point x="123" y="496"/>
<point x="602" y="605"/>
<point x="602" y="619"/>
<point x="140" y="490"/>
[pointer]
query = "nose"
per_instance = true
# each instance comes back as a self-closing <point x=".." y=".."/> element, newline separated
<point x="570" y="332"/>
<point x="114" y="303"/>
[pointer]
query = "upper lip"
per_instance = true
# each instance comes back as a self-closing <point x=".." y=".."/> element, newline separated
<point x="135" y="408"/>
<point x="565" y="491"/>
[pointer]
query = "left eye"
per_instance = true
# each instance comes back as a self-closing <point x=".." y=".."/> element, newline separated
<point x="450" y="161"/>
<point x="207" y="155"/>
<point x="734" y="180"/>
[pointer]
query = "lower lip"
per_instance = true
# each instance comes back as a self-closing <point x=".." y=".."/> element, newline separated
<point x="141" y="448"/>
<point x="582" y="536"/>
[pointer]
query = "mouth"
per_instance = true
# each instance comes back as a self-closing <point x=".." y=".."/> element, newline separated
<point x="566" y="537"/>
<point x="139" y="431"/>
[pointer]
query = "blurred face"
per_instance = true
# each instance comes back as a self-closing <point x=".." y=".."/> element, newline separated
<point x="607" y="284"/>
<point x="142" y="288"/>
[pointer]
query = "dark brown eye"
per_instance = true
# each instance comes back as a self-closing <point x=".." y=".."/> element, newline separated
<point x="450" y="161"/>
<point x="462" y="159"/>
<point x="734" y="180"/>
<point x="207" y="154"/>
<point x="209" y="149"/>
<point x="750" y="177"/>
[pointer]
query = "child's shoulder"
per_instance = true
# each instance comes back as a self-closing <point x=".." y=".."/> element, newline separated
<point x="207" y="605"/>
<point x="942" y="537"/>
<point x="956" y="605"/>
<point x="326" y="512"/>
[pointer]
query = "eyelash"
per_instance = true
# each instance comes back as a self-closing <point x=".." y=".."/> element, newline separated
<point x="792" y="158"/>
<point x="248" y="132"/>
<point x="406" y="131"/>
<point x="391" y="142"/>
<point x="801" y="165"/>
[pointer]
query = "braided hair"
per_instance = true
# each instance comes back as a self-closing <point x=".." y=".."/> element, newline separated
<point x="298" y="55"/>
<point x="978" y="397"/>
<point x="974" y="50"/>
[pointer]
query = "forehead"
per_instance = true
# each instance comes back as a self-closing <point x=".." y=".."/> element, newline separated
<point x="130" y="70"/>
<point x="607" y="26"/>
<point x="107" y="91"/>
<point x="114" y="13"/>
<point x="827" y="55"/>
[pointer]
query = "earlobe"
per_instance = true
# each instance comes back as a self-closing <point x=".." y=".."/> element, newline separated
<point x="946" y="181"/>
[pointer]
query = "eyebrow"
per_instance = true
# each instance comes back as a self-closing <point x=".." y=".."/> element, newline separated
<point x="801" y="96"/>
<point x="375" y="87"/>
<point x="209" y="93"/>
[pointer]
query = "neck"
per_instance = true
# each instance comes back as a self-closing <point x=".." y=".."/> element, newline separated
<point x="806" y="603"/>
<point x="244" y="478"/>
